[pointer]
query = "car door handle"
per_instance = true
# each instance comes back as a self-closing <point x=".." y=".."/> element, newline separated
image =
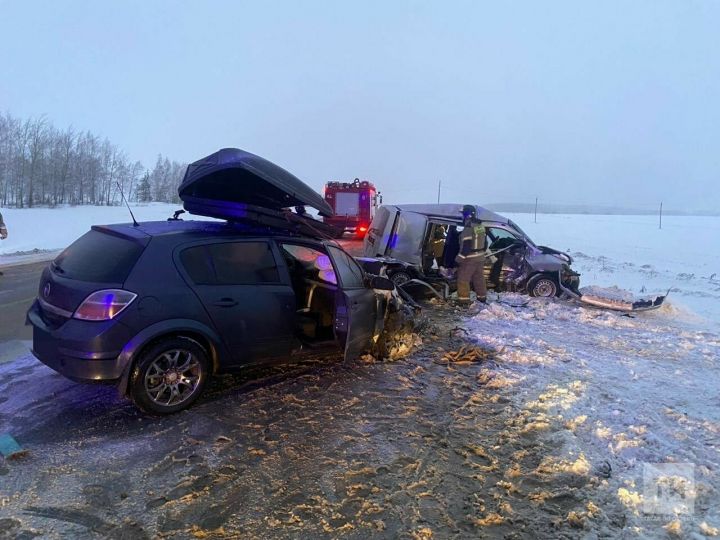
<point x="225" y="302"/>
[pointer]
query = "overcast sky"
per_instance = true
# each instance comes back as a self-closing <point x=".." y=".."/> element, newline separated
<point x="614" y="103"/>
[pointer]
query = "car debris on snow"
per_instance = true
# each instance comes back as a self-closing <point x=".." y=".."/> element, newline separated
<point x="619" y="299"/>
<point x="467" y="354"/>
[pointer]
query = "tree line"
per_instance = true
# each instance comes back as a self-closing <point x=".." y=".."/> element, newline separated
<point x="41" y="165"/>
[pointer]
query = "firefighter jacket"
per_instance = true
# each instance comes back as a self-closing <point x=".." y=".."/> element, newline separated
<point x="473" y="241"/>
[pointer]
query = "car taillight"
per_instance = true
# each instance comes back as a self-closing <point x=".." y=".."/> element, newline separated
<point x="362" y="228"/>
<point x="104" y="305"/>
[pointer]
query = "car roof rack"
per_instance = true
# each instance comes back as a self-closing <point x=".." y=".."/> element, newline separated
<point x="282" y="220"/>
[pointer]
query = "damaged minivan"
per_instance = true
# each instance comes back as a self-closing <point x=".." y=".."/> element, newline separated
<point x="158" y="307"/>
<point x="417" y="245"/>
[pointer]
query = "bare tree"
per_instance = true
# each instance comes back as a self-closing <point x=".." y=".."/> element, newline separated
<point x="43" y="165"/>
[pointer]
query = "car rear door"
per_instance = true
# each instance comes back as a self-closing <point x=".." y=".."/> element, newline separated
<point x="407" y="237"/>
<point x="240" y="285"/>
<point x="357" y="310"/>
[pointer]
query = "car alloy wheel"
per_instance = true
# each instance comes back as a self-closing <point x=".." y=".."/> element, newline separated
<point x="173" y="377"/>
<point x="169" y="375"/>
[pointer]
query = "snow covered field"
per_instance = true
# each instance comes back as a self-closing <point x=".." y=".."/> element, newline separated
<point x="55" y="228"/>
<point x="633" y="253"/>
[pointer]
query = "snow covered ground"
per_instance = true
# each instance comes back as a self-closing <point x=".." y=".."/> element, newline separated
<point x="621" y="408"/>
<point x="630" y="401"/>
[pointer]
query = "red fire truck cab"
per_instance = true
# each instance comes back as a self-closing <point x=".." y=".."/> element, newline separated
<point x="354" y="204"/>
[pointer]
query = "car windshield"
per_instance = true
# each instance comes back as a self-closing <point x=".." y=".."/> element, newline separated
<point x="522" y="233"/>
<point x="309" y="263"/>
<point x="496" y="233"/>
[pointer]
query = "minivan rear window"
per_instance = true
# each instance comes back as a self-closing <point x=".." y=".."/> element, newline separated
<point x="98" y="257"/>
<point x="380" y="220"/>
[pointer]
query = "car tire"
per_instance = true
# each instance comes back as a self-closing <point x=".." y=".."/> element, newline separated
<point x="400" y="278"/>
<point x="543" y="286"/>
<point x="169" y="376"/>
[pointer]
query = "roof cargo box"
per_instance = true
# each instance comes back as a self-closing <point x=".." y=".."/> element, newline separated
<point x="225" y="184"/>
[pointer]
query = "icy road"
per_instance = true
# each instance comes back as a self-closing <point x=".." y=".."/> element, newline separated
<point x="546" y="436"/>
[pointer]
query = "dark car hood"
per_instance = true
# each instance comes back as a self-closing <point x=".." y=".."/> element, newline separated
<point x="220" y="184"/>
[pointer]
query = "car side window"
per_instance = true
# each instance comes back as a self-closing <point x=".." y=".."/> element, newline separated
<point x="351" y="275"/>
<point x="231" y="263"/>
<point x="497" y="234"/>
<point x="305" y="262"/>
<point x="196" y="262"/>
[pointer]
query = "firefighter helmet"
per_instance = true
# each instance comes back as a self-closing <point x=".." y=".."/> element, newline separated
<point x="469" y="211"/>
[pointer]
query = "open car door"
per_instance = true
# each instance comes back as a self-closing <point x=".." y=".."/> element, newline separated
<point x="357" y="308"/>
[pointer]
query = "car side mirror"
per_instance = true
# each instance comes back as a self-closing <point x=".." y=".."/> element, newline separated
<point x="381" y="283"/>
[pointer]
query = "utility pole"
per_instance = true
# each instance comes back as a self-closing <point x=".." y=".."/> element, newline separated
<point x="439" y="184"/>
<point x="661" y="214"/>
<point x="536" y="199"/>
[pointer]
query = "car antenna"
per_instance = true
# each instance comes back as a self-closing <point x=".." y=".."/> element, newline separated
<point x="135" y="223"/>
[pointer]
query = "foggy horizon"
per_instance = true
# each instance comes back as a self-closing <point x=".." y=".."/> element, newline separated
<point x="611" y="105"/>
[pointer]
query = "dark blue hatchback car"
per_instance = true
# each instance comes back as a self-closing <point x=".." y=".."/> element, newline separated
<point x="158" y="307"/>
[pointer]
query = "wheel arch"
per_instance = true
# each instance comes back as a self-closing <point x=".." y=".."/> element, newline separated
<point x="193" y="330"/>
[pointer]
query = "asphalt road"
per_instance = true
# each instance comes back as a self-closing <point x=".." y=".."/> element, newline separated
<point x="18" y="288"/>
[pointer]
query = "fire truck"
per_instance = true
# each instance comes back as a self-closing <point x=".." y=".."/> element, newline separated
<point x="354" y="204"/>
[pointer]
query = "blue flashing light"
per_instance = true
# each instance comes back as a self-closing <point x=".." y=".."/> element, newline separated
<point x="393" y="241"/>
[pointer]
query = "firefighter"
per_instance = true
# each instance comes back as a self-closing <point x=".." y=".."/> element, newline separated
<point x="471" y="259"/>
<point x="438" y="244"/>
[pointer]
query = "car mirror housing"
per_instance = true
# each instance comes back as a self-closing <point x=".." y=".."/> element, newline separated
<point x="381" y="283"/>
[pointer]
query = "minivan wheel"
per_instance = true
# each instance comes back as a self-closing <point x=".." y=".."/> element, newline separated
<point x="169" y="376"/>
<point x="542" y="286"/>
